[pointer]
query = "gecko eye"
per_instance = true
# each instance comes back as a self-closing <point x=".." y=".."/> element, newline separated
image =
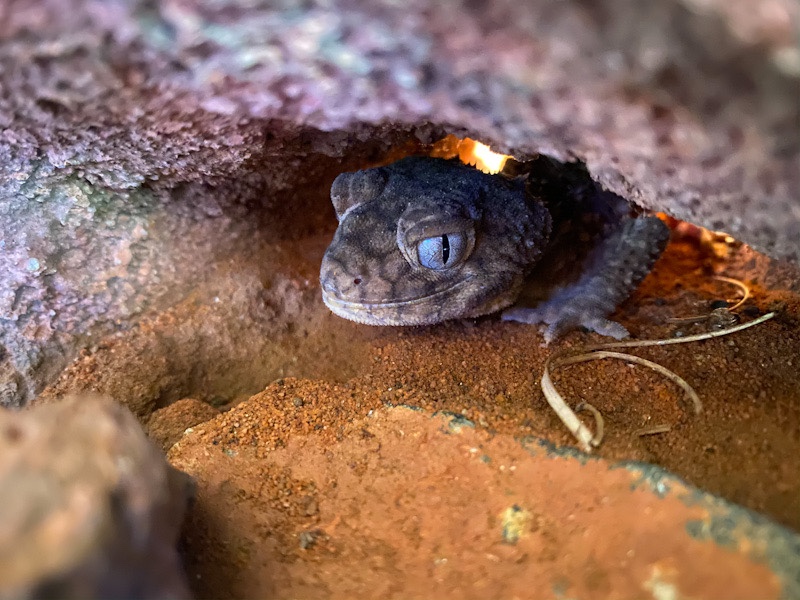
<point x="435" y="237"/>
<point x="442" y="251"/>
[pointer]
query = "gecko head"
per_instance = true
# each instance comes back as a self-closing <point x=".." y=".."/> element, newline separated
<point x="425" y="240"/>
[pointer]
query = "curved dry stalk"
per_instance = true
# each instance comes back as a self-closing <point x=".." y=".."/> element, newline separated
<point x="672" y="376"/>
<point x="585" y="438"/>
<point x="741" y="285"/>
<point x="699" y="318"/>
<point x="599" y="422"/>
<point x="556" y="401"/>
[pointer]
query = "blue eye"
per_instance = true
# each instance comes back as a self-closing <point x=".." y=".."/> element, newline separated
<point x="442" y="251"/>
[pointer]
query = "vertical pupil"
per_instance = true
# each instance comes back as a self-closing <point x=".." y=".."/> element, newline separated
<point x="445" y="249"/>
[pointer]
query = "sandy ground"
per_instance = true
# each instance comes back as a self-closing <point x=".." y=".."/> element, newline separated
<point x="315" y="487"/>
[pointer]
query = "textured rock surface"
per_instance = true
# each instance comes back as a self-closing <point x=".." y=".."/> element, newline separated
<point x="90" y="508"/>
<point x="142" y="142"/>
<point x="402" y="504"/>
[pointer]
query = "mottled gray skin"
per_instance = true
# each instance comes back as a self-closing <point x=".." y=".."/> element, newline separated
<point x="424" y="240"/>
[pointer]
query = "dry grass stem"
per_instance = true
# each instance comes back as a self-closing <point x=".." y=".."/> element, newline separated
<point x="579" y="431"/>
<point x="699" y="318"/>
<point x="683" y="340"/>
<point x="656" y="429"/>
<point x="582" y="433"/>
<point x="674" y="377"/>
<point x="599" y="422"/>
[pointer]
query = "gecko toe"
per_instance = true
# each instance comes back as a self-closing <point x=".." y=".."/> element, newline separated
<point x="605" y="327"/>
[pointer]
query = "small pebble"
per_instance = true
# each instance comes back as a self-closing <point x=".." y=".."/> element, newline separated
<point x="719" y="304"/>
<point x="308" y="538"/>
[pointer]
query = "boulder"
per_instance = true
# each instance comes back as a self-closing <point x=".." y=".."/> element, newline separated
<point x="89" y="506"/>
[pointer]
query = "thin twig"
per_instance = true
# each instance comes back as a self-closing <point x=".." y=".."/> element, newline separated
<point x="689" y="338"/>
<point x="656" y="429"/>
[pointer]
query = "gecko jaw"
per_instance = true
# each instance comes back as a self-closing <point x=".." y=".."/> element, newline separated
<point x="392" y="313"/>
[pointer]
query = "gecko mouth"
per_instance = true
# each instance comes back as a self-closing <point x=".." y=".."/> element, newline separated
<point x="422" y="310"/>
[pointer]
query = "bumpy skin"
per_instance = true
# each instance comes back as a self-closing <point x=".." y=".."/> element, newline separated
<point x="424" y="240"/>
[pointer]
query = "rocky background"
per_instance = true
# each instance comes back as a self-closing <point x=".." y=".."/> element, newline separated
<point x="144" y="142"/>
<point x="164" y="177"/>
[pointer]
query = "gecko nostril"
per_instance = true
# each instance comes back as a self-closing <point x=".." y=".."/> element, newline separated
<point x="357" y="281"/>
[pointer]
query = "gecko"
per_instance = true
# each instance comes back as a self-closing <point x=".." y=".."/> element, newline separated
<point x="424" y="240"/>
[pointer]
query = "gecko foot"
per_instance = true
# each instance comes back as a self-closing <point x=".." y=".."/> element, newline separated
<point x="560" y="322"/>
